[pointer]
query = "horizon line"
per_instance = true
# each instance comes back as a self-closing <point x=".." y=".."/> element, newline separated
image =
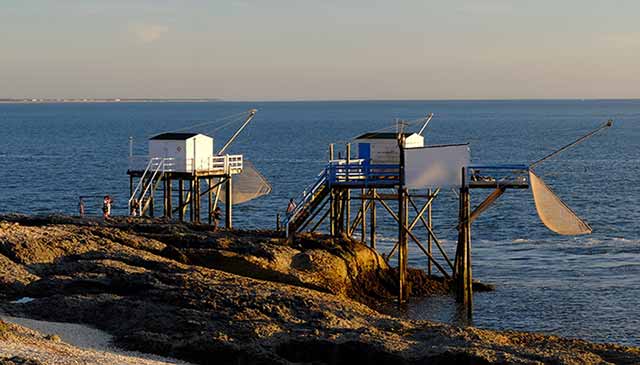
<point x="27" y="100"/>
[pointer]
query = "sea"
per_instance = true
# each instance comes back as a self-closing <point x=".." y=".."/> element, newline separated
<point x="575" y="286"/>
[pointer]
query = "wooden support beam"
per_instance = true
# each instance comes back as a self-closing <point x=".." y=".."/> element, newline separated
<point x="196" y="200"/>
<point x="402" y="244"/>
<point x="321" y="220"/>
<point x="218" y="190"/>
<point x="311" y="217"/>
<point x="190" y="198"/>
<point x="386" y="196"/>
<point x="363" y="215"/>
<point x="167" y="197"/>
<point x="486" y="203"/>
<point x="341" y="211"/>
<point x="209" y="201"/>
<point x="415" y="239"/>
<point x="228" y="217"/>
<point x="464" y="278"/>
<point x="433" y="236"/>
<point x="181" y="199"/>
<point x="469" y="276"/>
<point x="151" y="200"/>
<point x="164" y="199"/>
<point x="211" y="188"/>
<point x="372" y="220"/>
<point x="356" y="222"/>
<point x="130" y="186"/>
<point x="426" y="206"/>
<point x="347" y="198"/>
<point x="429" y="230"/>
<point x="332" y="212"/>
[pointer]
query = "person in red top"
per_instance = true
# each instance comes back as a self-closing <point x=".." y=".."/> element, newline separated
<point x="106" y="206"/>
<point x="291" y="207"/>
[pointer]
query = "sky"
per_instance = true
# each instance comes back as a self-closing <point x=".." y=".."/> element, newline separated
<point x="320" y="50"/>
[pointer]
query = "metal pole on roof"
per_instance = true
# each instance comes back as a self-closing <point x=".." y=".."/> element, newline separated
<point x="428" y="119"/>
<point x="252" y="113"/>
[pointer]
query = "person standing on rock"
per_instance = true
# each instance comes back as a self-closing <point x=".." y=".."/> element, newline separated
<point x="81" y="207"/>
<point x="216" y="215"/>
<point x="291" y="208"/>
<point x="106" y="206"/>
<point x="135" y="206"/>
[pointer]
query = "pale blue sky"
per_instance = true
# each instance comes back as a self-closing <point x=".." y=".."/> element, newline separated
<point x="350" y="49"/>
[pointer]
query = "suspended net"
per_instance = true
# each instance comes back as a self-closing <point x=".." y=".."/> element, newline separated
<point x="247" y="185"/>
<point x="553" y="212"/>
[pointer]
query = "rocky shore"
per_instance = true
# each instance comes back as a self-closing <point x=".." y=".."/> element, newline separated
<point x="237" y="297"/>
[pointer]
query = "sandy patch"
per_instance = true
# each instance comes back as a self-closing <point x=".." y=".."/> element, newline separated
<point x="80" y="345"/>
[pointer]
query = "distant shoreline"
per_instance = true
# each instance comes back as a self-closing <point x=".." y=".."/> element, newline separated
<point x="110" y="100"/>
<point x="348" y="100"/>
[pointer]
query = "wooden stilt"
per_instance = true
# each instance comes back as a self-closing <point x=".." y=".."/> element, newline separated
<point x="151" y="202"/>
<point x="332" y="212"/>
<point x="342" y="211"/>
<point x="130" y="186"/>
<point x="190" y="198"/>
<point x="347" y="197"/>
<point x="402" y="244"/>
<point x="469" y="276"/>
<point x="372" y="220"/>
<point x="169" y="205"/>
<point x="402" y="225"/>
<point x="332" y="199"/>
<point x="464" y="278"/>
<point x="363" y="215"/>
<point x="164" y="199"/>
<point x="209" y="201"/>
<point x="228" y="218"/>
<point x="181" y="200"/>
<point x="357" y="220"/>
<point x="196" y="199"/>
<point x="429" y="235"/>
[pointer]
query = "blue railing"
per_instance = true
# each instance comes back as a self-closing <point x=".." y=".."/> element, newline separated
<point x="363" y="173"/>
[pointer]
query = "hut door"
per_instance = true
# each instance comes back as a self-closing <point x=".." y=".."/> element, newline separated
<point x="364" y="151"/>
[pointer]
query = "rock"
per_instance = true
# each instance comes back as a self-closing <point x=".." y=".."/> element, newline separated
<point x="53" y="338"/>
<point x="247" y="298"/>
<point x="17" y="360"/>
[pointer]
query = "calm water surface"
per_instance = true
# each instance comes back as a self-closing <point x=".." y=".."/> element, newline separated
<point x="585" y="287"/>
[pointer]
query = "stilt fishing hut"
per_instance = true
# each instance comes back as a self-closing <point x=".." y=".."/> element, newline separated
<point x="413" y="175"/>
<point x="185" y="162"/>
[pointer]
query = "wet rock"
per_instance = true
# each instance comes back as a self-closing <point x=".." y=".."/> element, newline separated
<point x="246" y="298"/>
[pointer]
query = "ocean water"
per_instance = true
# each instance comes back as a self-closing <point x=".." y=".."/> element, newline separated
<point x="586" y="287"/>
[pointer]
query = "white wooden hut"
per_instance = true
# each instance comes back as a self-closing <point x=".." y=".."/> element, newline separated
<point x="190" y="151"/>
<point x="382" y="148"/>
